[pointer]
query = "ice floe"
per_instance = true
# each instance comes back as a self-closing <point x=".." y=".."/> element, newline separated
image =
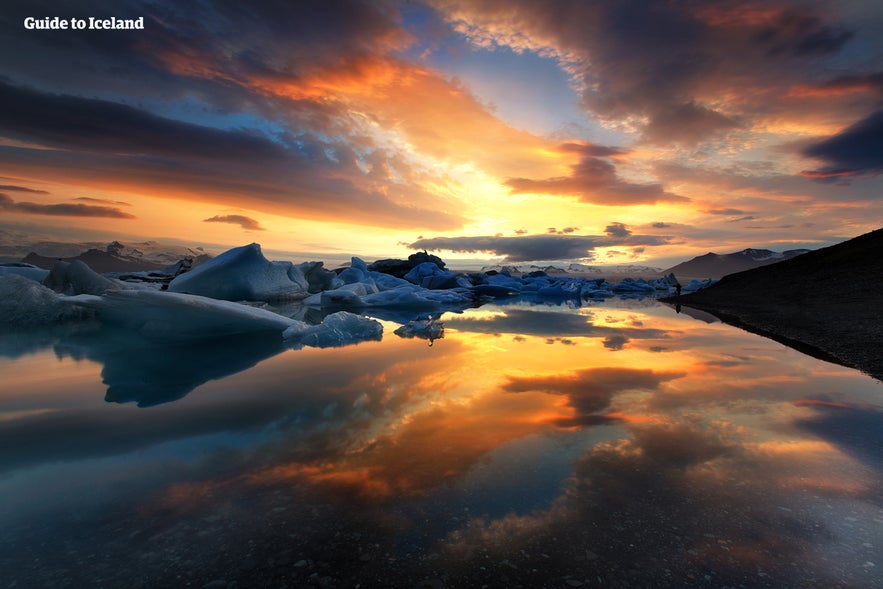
<point x="338" y="329"/>
<point x="244" y="274"/>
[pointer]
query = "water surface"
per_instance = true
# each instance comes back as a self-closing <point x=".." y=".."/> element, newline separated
<point x="616" y="445"/>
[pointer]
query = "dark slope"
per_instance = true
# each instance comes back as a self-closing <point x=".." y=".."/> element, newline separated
<point x="712" y="265"/>
<point x="828" y="302"/>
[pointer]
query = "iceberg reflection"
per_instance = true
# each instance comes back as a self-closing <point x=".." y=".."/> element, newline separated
<point x="149" y="372"/>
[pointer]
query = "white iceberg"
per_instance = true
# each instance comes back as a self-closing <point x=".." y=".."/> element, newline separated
<point x="244" y="274"/>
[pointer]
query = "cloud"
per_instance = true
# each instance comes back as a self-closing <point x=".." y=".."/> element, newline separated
<point x="59" y="120"/>
<point x="61" y="210"/>
<point x="12" y="188"/>
<point x="617" y="230"/>
<point x="594" y="180"/>
<point x="856" y="150"/>
<point x="677" y="73"/>
<point x="528" y="248"/>
<point x="245" y="222"/>
<point x="102" y="201"/>
<point x="728" y="211"/>
<point x="306" y="175"/>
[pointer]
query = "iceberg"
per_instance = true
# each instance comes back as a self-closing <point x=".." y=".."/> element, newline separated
<point x="27" y="270"/>
<point x="73" y="278"/>
<point x="244" y="274"/>
<point x="26" y="303"/>
<point x="428" y="328"/>
<point x="338" y="329"/>
<point x="167" y="315"/>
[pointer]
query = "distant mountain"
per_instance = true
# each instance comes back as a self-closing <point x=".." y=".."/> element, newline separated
<point x="827" y="302"/>
<point x="599" y="271"/>
<point x="713" y="265"/>
<point x="618" y="269"/>
<point x="119" y="257"/>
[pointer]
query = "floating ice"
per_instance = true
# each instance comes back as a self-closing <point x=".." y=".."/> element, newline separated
<point x="428" y="328"/>
<point x="338" y="329"/>
<point x="244" y="274"/>
<point x="22" y="269"/>
<point x="73" y="278"/>
<point x="26" y="303"/>
<point x="170" y="315"/>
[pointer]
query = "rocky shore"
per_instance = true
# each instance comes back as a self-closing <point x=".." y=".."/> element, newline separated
<point x="827" y="303"/>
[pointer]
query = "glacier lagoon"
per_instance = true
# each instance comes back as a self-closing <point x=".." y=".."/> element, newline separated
<point x="617" y="444"/>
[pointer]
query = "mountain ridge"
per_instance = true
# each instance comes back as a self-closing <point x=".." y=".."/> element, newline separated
<point x="714" y="265"/>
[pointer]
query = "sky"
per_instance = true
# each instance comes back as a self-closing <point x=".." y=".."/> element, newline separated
<point x="511" y="131"/>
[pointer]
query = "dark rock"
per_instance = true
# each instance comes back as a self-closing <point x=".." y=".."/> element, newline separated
<point x="398" y="268"/>
<point x="393" y="267"/>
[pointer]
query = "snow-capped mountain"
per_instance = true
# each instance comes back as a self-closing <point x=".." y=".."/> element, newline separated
<point x="712" y="265"/>
<point x="119" y="257"/>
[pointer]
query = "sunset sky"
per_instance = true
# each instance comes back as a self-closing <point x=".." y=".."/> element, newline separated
<point x="618" y="131"/>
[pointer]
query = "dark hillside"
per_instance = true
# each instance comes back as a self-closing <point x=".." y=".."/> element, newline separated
<point x="828" y="302"/>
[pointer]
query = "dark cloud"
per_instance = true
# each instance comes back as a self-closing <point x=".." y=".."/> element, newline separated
<point x="725" y="211"/>
<point x="678" y="72"/>
<point x="102" y="201"/>
<point x="617" y="230"/>
<point x="530" y="248"/>
<point x="615" y="342"/>
<point x="67" y="121"/>
<point x="856" y="150"/>
<point x="12" y="188"/>
<point x="594" y="180"/>
<point x="61" y="210"/>
<point x="801" y="34"/>
<point x="241" y="220"/>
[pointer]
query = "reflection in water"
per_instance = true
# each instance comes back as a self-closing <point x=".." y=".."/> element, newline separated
<point x="541" y="446"/>
<point x="149" y="372"/>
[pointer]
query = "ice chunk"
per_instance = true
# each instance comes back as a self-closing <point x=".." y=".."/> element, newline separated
<point x="428" y="328"/>
<point x="695" y="285"/>
<point x="632" y="286"/>
<point x="73" y="278"/>
<point x="26" y="270"/>
<point x="429" y="275"/>
<point x="244" y="274"/>
<point x="171" y="315"/>
<point x="415" y="297"/>
<point x="316" y="276"/>
<point x="25" y="303"/>
<point x="338" y="329"/>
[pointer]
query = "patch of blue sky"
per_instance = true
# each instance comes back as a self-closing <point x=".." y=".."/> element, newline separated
<point x="524" y="90"/>
<point x="191" y="110"/>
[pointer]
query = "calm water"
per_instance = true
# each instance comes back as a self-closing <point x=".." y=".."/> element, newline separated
<point x="534" y="446"/>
